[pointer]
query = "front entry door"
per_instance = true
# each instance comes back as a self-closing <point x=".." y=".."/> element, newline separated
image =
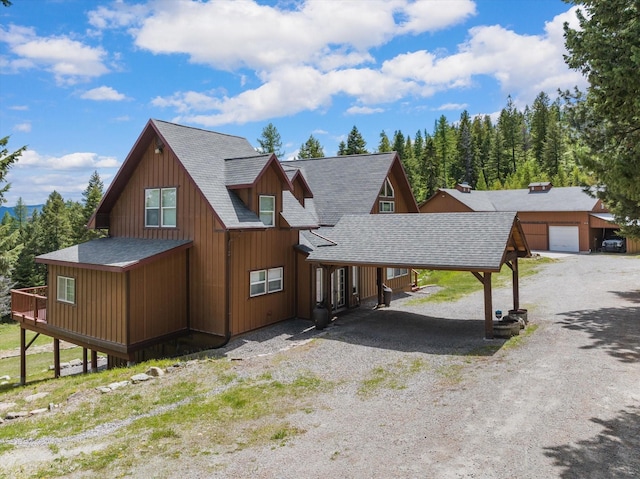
<point x="339" y="288"/>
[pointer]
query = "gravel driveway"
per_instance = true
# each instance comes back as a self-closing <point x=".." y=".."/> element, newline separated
<point x="418" y="393"/>
<point x="565" y="403"/>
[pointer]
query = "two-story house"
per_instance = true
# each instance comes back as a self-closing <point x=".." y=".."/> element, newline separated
<point x="208" y="237"/>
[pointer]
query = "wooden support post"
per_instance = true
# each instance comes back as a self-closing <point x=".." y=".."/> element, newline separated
<point x="85" y="367"/>
<point x="56" y="357"/>
<point x="379" y="284"/>
<point x="328" y="293"/>
<point x="94" y="361"/>
<point x="488" y="307"/>
<point x="516" y="286"/>
<point x="23" y="356"/>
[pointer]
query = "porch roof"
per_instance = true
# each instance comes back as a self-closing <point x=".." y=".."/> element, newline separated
<point x="478" y="241"/>
<point x="113" y="254"/>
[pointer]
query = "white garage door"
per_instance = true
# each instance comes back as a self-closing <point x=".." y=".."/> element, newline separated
<point x="564" y="238"/>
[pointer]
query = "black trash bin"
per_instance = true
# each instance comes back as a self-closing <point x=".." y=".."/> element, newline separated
<point x="387" y="295"/>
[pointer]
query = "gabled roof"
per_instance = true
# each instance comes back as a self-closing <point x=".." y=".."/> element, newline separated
<point x="571" y="198"/>
<point x="453" y="241"/>
<point x="294" y="175"/>
<point x="345" y="184"/>
<point x="202" y="153"/>
<point x="295" y="214"/>
<point x="245" y="172"/>
<point x="113" y="254"/>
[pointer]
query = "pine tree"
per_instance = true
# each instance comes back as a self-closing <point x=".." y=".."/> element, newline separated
<point x="539" y="124"/>
<point x="270" y="141"/>
<point x="342" y="148"/>
<point x="21" y="213"/>
<point x="385" y="145"/>
<point x="55" y="225"/>
<point x="311" y="149"/>
<point x="27" y="272"/>
<point x="92" y="195"/>
<point x="355" y="143"/>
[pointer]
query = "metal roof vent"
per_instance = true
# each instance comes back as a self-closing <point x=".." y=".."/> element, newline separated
<point x="540" y="187"/>
<point x="463" y="187"/>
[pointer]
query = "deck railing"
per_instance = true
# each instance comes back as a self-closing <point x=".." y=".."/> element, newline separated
<point x="29" y="303"/>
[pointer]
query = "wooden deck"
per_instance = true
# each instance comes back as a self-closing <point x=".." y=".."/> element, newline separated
<point x="29" y="306"/>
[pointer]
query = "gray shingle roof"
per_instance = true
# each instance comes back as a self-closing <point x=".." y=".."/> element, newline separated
<point x="571" y="198"/>
<point x="295" y="214"/>
<point x="203" y="154"/>
<point x="343" y="184"/>
<point x="115" y="254"/>
<point x="457" y="241"/>
<point x="243" y="172"/>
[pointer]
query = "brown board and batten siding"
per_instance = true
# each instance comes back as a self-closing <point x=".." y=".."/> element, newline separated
<point x="195" y="221"/>
<point x="100" y="309"/>
<point x="442" y="202"/>
<point x="546" y="219"/>
<point x="262" y="250"/>
<point x="158" y="298"/>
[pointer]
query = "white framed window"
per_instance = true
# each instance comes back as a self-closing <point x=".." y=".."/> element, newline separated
<point x="66" y="290"/>
<point x="387" y="206"/>
<point x="274" y="278"/>
<point x="160" y="207"/>
<point x="268" y="210"/>
<point x="258" y="283"/>
<point x="319" y="286"/>
<point x="387" y="189"/>
<point x="396" y="272"/>
<point x="265" y="281"/>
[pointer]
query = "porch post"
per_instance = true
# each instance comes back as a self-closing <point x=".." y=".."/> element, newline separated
<point x="488" y="307"/>
<point x="23" y="356"/>
<point x="516" y="286"/>
<point x="56" y="357"/>
<point x="94" y="361"/>
<point x="379" y="284"/>
<point x="84" y="361"/>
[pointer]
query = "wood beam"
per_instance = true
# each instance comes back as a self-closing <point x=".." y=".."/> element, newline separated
<point x="94" y="361"/>
<point x="84" y="361"/>
<point x="516" y="285"/>
<point x="488" y="307"/>
<point x="23" y="356"/>
<point x="478" y="275"/>
<point x="379" y="285"/>
<point x="56" y="357"/>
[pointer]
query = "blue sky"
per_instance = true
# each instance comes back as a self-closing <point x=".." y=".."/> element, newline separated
<point x="79" y="79"/>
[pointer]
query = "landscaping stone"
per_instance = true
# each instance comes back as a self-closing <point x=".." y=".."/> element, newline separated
<point x="6" y="405"/>
<point x="52" y="406"/>
<point x="75" y="362"/>
<point x="35" y="397"/>
<point x="16" y="414"/>
<point x="155" y="371"/>
<point x="140" y="377"/>
<point x="1" y="420"/>
<point x="104" y="389"/>
<point x="118" y="385"/>
<point x="38" y="411"/>
<point x="5" y="378"/>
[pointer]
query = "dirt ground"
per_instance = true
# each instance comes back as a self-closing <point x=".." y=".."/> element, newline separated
<point x="564" y="403"/>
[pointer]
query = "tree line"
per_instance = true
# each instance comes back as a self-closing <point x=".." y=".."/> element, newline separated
<point x="522" y="146"/>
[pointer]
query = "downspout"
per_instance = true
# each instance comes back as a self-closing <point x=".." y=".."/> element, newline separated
<point x="227" y="280"/>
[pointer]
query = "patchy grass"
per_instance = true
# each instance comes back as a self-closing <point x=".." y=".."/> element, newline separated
<point x="394" y="377"/>
<point x="517" y="341"/>
<point x="10" y="337"/>
<point x="456" y="284"/>
<point x="451" y="373"/>
<point x="37" y="365"/>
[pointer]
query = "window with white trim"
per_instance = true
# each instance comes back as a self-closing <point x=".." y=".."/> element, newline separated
<point x="265" y="281"/>
<point x="268" y="210"/>
<point x="160" y="207"/>
<point x="387" y="189"/>
<point x="66" y="290"/>
<point x="396" y="272"/>
<point x="387" y="205"/>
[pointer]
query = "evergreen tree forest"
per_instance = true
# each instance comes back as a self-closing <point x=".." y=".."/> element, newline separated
<point x="521" y="146"/>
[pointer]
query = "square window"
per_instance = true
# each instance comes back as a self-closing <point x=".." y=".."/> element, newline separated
<point x="275" y="280"/>
<point x="387" y="207"/>
<point x="258" y="283"/>
<point x="160" y="207"/>
<point x="66" y="289"/>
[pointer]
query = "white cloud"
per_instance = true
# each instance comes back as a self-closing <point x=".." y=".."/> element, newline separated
<point x="19" y="108"/>
<point x="31" y="158"/>
<point x="68" y="60"/>
<point x="452" y="106"/>
<point x="363" y="110"/>
<point x="24" y="127"/>
<point x="103" y="93"/>
<point x="428" y="16"/>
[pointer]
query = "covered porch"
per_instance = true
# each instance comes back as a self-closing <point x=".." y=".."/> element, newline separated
<point x="478" y="243"/>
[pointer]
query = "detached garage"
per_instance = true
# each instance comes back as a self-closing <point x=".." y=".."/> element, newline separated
<point x="553" y="219"/>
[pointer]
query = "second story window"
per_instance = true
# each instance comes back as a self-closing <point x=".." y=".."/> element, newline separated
<point x="268" y="210"/>
<point x="160" y="207"/>
<point x="386" y="204"/>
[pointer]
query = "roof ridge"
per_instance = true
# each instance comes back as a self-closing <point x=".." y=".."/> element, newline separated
<point x="198" y="129"/>
<point x="339" y="156"/>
